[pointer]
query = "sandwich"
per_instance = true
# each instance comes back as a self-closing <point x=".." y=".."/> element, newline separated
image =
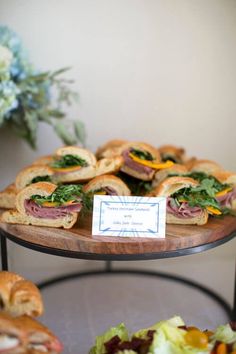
<point x="19" y="296"/>
<point x="110" y="149"/>
<point x="73" y="164"/>
<point x="12" y="338"/>
<point x="172" y="153"/>
<point x="25" y="177"/>
<point x="8" y="197"/>
<point x="25" y="335"/>
<point x="109" y="165"/>
<point x="227" y="194"/>
<point x="46" y="204"/>
<point x="106" y="185"/>
<point x="38" y="337"/>
<point x="221" y="185"/>
<point x="188" y="202"/>
<point x="33" y="174"/>
<point x="141" y="160"/>
<point x="206" y="166"/>
<point x="174" y="170"/>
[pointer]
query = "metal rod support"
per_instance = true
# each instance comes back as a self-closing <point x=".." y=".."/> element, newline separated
<point x="4" y="257"/>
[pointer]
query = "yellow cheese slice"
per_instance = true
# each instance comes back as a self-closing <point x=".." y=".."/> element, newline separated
<point x="213" y="210"/>
<point x="223" y="192"/>
<point x="151" y="164"/>
<point x="67" y="169"/>
<point x="101" y="193"/>
<point x="55" y="204"/>
<point x="50" y="204"/>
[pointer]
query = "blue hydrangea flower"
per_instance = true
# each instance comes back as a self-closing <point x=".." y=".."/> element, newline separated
<point x="20" y="66"/>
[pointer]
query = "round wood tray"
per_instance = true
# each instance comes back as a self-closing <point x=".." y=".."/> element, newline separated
<point x="79" y="243"/>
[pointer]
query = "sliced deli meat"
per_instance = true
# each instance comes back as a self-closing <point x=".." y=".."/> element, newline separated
<point x="39" y="211"/>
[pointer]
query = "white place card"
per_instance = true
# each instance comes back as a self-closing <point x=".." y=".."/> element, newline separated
<point x="129" y="216"/>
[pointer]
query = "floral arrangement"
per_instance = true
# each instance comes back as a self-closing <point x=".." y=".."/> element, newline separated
<point x="28" y="96"/>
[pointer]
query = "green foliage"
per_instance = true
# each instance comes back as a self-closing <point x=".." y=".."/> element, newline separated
<point x="28" y="97"/>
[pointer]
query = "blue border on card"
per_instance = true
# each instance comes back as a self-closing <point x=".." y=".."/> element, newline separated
<point x="124" y="230"/>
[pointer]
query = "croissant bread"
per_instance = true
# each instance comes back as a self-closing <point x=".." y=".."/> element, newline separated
<point x="180" y="212"/>
<point x="19" y="296"/>
<point x="138" y="157"/>
<point x="29" y="212"/>
<point x="25" y="335"/>
<point x="8" y="197"/>
<point x="73" y="164"/>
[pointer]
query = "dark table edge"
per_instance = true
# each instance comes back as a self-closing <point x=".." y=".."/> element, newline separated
<point x="117" y="257"/>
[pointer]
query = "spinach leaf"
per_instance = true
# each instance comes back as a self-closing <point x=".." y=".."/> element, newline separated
<point x="62" y="194"/>
<point x="69" y="161"/>
<point x="41" y="179"/>
<point x="144" y="155"/>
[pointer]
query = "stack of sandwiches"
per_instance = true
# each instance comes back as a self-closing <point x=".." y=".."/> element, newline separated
<point x="55" y="189"/>
<point x="20" y="332"/>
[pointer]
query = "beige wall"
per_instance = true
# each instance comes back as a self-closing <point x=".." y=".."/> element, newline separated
<point x="162" y="71"/>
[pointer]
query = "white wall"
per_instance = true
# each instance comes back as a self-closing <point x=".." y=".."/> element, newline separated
<point x="162" y="71"/>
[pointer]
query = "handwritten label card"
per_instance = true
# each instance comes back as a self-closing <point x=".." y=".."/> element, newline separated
<point x="129" y="216"/>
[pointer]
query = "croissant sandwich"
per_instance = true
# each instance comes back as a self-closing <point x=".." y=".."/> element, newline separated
<point x="25" y="335"/>
<point x="174" y="170"/>
<point x="220" y="184"/>
<point x="8" y="197"/>
<point x="19" y="296"/>
<point x="73" y="164"/>
<point x="141" y="160"/>
<point x="227" y="185"/>
<point x="187" y="201"/>
<point x="110" y="165"/>
<point x="207" y="166"/>
<point x="107" y="185"/>
<point x="110" y="149"/>
<point x="39" y="337"/>
<point x="33" y="174"/>
<point x="46" y="204"/>
<point x="12" y="338"/>
<point x="172" y="153"/>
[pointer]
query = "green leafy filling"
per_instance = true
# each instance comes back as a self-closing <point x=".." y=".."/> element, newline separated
<point x="41" y="179"/>
<point x="198" y="196"/>
<point x="69" y="161"/>
<point x="170" y="158"/>
<point x="66" y="193"/>
<point x="143" y="155"/>
<point x="61" y="195"/>
<point x="208" y="182"/>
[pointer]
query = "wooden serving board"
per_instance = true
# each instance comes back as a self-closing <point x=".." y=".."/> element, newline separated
<point x="79" y="238"/>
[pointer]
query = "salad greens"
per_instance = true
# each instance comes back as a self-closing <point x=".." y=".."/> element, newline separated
<point x="166" y="337"/>
<point x="143" y="155"/>
<point x="68" y="161"/>
<point x="99" y="347"/>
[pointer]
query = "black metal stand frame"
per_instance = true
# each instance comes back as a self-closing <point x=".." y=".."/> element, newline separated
<point x="109" y="270"/>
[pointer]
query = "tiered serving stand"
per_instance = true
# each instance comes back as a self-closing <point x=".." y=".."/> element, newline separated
<point x="180" y="240"/>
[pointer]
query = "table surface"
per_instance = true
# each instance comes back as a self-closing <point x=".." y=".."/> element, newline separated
<point x="78" y="242"/>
